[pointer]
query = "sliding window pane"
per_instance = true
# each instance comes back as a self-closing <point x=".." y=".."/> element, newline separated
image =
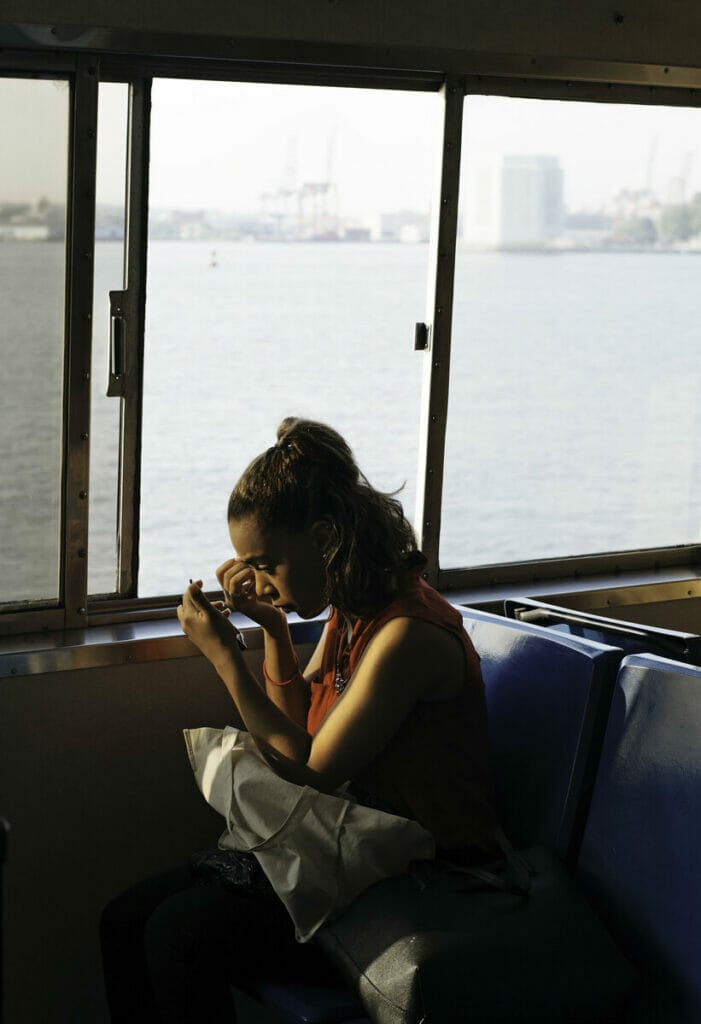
<point x="34" y="115"/>
<point x="288" y="256"/>
<point x="110" y="195"/>
<point x="575" y="403"/>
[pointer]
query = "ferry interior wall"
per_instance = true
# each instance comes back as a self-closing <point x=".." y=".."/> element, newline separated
<point x="467" y="235"/>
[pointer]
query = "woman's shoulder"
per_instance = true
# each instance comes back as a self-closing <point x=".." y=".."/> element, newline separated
<point x="415" y="598"/>
<point x="427" y="648"/>
<point x="425" y="632"/>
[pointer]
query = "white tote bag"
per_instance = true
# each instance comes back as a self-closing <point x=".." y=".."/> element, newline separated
<point x="318" y="851"/>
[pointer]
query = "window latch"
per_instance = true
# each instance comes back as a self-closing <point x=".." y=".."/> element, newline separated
<point x="422" y="335"/>
<point x="118" y="335"/>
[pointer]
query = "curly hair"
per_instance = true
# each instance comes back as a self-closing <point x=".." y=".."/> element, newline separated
<point x="311" y="475"/>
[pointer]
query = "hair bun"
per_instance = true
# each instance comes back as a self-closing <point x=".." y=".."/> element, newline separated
<point x="319" y="446"/>
<point x="286" y="428"/>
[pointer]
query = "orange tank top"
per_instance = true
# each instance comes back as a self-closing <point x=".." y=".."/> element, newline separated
<point x="436" y="769"/>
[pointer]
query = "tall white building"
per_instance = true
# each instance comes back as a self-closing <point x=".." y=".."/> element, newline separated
<point x="512" y="202"/>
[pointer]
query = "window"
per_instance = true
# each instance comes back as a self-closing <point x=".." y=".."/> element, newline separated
<point x="33" y="188"/>
<point x="574" y="422"/>
<point x="288" y="254"/>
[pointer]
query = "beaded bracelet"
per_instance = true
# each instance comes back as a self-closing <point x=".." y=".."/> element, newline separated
<point x="295" y="675"/>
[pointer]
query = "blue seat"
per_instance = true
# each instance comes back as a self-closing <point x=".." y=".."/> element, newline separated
<point x="547" y="700"/>
<point x="640" y="854"/>
<point x="632" y="637"/>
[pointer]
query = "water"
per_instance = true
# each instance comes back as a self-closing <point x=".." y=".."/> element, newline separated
<point x="574" y="422"/>
<point x="31" y="377"/>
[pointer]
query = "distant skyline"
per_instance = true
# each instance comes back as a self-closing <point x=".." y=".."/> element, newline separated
<point x="222" y="145"/>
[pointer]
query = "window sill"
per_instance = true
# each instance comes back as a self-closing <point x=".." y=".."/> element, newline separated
<point x="159" y="639"/>
<point x="121" y="644"/>
<point x="608" y="590"/>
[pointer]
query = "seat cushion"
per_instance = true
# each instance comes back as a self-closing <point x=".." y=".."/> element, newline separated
<point x="431" y="951"/>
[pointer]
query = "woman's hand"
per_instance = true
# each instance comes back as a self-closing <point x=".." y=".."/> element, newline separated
<point x="209" y="628"/>
<point x="238" y="581"/>
<point x="206" y="625"/>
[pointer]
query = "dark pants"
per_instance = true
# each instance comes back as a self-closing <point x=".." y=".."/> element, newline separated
<point x="171" y="950"/>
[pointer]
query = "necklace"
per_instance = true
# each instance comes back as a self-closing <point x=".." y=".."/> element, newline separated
<point x="343" y="673"/>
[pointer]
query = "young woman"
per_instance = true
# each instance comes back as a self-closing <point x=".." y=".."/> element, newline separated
<point x="391" y="700"/>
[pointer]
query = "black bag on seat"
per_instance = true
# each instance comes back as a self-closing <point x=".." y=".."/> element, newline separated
<point x="430" y="948"/>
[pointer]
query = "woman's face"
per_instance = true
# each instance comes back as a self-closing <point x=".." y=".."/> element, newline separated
<point x="288" y="567"/>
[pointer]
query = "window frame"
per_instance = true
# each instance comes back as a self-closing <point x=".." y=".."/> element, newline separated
<point x="134" y="296"/>
<point x="71" y="609"/>
<point x="104" y="55"/>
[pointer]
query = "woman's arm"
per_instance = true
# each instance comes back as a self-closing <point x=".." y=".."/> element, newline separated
<point x="407" y="661"/>
<point x="280" y="661"/>
<point x="402" y="664"/>
<point x="285" y="684"/>
<point x="214" y="635"/>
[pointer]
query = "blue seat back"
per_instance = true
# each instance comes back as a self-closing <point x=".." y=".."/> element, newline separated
<point x="640" y="855"/>
<point x="631" y="637"/>
<point x="547" y="700"/>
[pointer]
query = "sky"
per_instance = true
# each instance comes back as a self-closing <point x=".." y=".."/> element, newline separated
<point x="224" y="145"/>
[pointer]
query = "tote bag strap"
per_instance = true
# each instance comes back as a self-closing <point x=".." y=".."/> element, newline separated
<point x="512" y="874"/>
